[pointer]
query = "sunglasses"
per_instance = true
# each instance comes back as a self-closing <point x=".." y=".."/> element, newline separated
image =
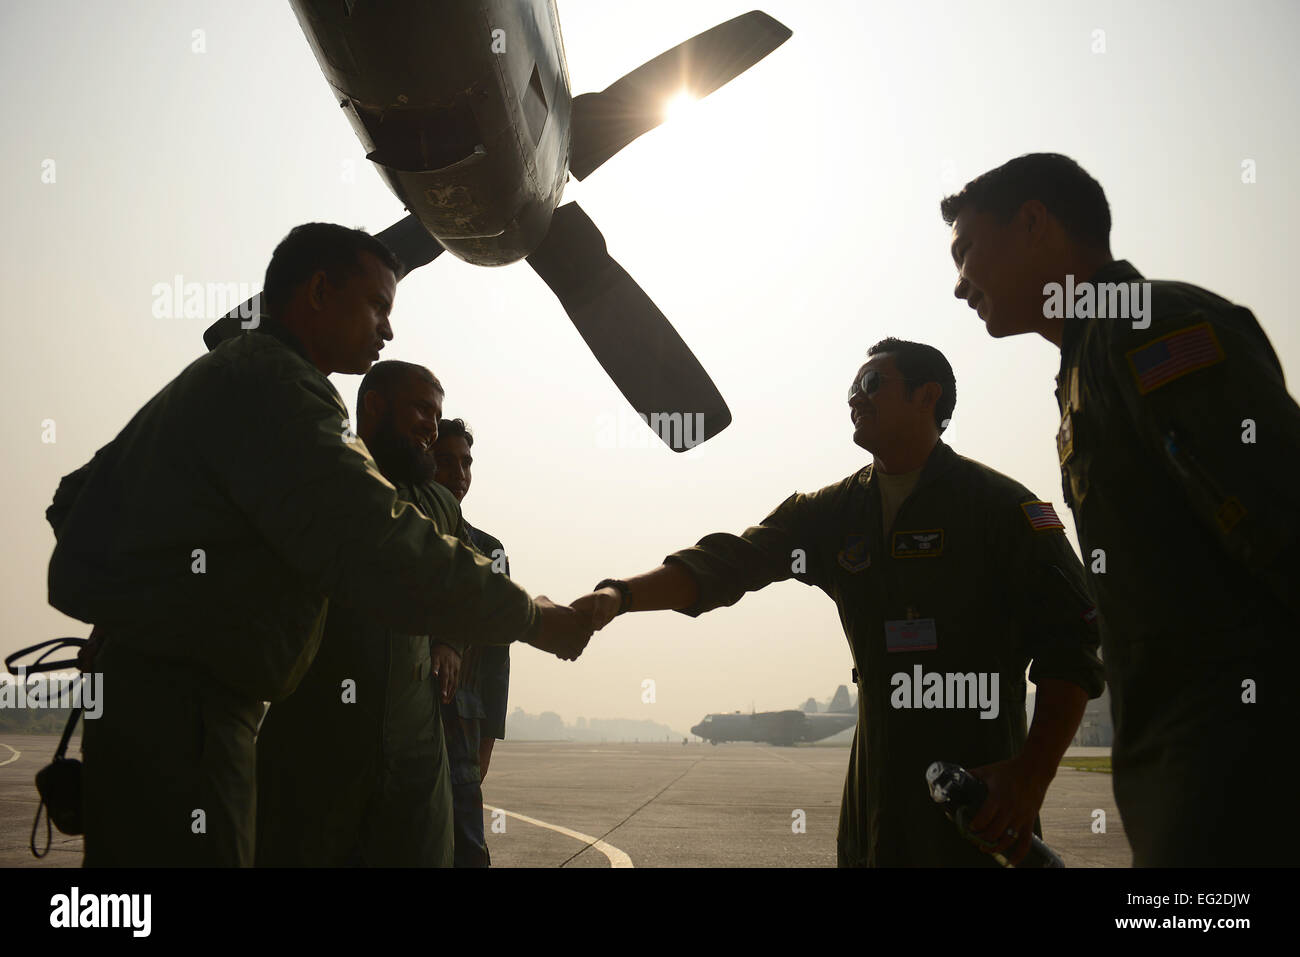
<point x="869" y="383"/>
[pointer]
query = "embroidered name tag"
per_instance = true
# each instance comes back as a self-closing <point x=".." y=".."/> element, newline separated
<point x="911" y="634"/>
<point x="926" y="543"/>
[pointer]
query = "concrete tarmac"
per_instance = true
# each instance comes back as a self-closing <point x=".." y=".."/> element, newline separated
<point x="733" y="805"/>
<point x="651" y="805"/>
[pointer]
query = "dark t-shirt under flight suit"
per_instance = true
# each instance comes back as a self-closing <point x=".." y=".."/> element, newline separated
<point x="478" y="711"/>
<point x="976" y="577"/>
<point x="1179" y="446"/>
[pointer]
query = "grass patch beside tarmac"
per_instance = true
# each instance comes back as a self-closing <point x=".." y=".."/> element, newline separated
<point x="1088" y="764"/>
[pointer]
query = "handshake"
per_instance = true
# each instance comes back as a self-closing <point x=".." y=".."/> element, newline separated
<point x="566" y="629"/>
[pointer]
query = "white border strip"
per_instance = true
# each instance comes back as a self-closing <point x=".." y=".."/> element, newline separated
<point x="616" y="857"/>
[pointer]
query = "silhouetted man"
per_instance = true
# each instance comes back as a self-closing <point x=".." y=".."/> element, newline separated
<point x="477" y="716"/>
<point x="204" y="540"/>
<point x="352" y="768"/>
<point x="949" y="578"/>
<point x="1178" y="444"/>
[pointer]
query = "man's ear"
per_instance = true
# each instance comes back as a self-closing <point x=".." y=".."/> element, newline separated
<point x="931" y="393"/>
<point x="1033" y="221"/>
<point x="375" y="405"/>
<point x="316" y="289"/>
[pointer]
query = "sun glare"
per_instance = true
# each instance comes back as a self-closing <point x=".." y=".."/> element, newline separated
<point x="678" y="105"/>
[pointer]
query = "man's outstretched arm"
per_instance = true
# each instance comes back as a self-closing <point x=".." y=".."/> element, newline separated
<point x="668" y="587"/>
<point x="721" y="568"/>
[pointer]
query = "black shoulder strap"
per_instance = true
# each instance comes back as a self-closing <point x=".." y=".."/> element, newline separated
<point x="53" y="645"/>
<point x="50" y="646"/>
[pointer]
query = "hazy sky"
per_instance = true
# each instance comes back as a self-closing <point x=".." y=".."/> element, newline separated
<point x="783" y="226"/>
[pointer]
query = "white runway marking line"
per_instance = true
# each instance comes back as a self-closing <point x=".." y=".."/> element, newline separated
<point x="616" y="857"/>
<point x="16" y="755"/>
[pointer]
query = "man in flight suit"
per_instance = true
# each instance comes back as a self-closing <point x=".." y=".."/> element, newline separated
<point x="944" y="571"/>
<point x="477" y="716"/>
<point x="351" y="767"/>
<point x="1177" y="444"/>
<point x="204" y="540"/>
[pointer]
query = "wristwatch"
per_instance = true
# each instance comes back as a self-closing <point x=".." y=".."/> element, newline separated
<point x="624" y="592"/>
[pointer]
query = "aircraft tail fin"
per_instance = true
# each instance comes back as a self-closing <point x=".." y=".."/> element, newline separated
<point x="840" y="703"/>
<point x="605" y="122"/>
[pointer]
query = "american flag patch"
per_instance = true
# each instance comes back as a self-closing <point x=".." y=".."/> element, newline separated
<point x="1174" y="355"/>
<point x="1041" y="515"/>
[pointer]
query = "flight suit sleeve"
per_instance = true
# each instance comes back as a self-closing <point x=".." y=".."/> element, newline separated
<point x="65" y="496"/>
<point x="491" y="549"/>
<point x="784" y="545"/>
<point x="1045" y="583"/>
<point x="310" y="487"/>
<point x="461" y="533"/>
<point x="1206" y="393"/>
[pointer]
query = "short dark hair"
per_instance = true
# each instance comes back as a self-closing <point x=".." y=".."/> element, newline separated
<point x="315" y="246"/>
<point x="384" y="378"/>
<point x="1058" y="182"/>
<point x="450" y="428"/>
<point x="919" y="364"/>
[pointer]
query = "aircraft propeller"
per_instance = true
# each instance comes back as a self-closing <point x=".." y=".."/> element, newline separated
<point x="632" y="340"/>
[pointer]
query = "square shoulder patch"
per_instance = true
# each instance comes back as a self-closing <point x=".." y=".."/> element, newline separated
<point x="1041" y="515"/>
<point x="1173" y="355"/>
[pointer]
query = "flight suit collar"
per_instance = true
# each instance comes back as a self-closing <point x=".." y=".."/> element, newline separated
<point x="942" y="458"/>
<point x="1118" y="270"/>
<point x="273" y="327"/>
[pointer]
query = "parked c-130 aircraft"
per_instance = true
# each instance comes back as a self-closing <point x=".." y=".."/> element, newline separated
<point x="781" y="727"/>
<point x="465" y="109"/>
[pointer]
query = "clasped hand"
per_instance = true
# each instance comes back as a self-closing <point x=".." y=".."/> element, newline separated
<point x="566" y="629"/>
<point x="600" y="606"/>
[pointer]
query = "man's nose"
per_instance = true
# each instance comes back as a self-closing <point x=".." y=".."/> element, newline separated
<point x="962" y="289"/>
<point x="385" y="330"/>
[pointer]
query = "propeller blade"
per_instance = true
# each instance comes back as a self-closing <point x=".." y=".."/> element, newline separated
<point x="408" y="240"/>
<point x="639" y="349"/>
<point x="411" y="243"/>
<point x="239" y="320"/>
<point x="605" y="122"/>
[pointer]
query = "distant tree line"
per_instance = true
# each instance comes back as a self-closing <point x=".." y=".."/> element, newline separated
<point x="549" y="726"/>
<point x="33" y="720"/>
